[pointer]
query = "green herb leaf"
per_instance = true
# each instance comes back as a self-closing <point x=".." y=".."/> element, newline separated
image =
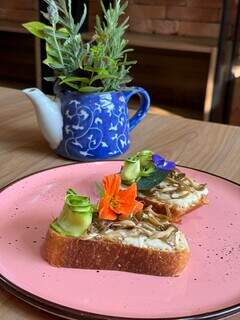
<point x="72" y="85"/>
<point x="74" y="79"/>
<point x="59" y="34"/>
<point x="36" y="28"/>
<point x="102" y="76"/>
<point x="146" y="183"/>
<point x="93" y="69"/>
<point x="51" y="62"/>
<point x="50" y="51"/>
<point x="90" y="89"/>
<point x="50" y="79"/>
<point x="83" y="18"/>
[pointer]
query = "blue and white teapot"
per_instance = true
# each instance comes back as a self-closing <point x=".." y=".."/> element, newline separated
<point x="88" y="126"/>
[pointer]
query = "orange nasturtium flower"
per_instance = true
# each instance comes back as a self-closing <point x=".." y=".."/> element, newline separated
<point x="116" y="202"/>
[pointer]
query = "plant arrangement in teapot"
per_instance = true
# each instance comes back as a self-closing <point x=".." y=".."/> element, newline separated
<point x="89" y="120"/>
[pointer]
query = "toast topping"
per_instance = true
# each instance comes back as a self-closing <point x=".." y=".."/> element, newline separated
<point x="146" y="230"/>
<point x="177" y="185"/>
<point x="178" y="190"/>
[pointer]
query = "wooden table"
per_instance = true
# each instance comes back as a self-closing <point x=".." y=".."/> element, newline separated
<point x="207" y="146"/>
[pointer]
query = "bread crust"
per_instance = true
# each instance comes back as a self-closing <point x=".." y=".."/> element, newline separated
<point x="173" y="212"/>
<point x="70" y="252"/>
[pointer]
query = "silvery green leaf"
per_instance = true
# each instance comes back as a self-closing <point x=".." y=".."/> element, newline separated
<point x="128" y="63"/>
<point x="82" y="20"/>
<point x="127" y="50"/>
<point x="53" y="12"/>
<point x="103" y="7"/>
<point x="58" y="34"/>
<point x="50" y="79"/>
<point x="62" y="5"/>
<point x="64" y="23"/>
<point x="45" y="15"/>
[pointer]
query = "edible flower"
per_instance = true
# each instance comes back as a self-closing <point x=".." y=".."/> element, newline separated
<point x="118" y="203"/>
<point x="76" y="215"/>
<point x="162" y="164"/>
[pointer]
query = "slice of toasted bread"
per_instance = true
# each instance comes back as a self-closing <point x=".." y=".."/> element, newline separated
<point x="175" y="196"/>
<point x="141" y="245"/>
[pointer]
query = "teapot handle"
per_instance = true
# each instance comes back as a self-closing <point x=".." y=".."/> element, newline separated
<point x="143" y="108"/>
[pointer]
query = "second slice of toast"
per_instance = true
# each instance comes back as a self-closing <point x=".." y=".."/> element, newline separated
<point x="175" y="196"/>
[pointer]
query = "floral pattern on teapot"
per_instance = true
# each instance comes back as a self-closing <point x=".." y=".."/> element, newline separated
<point x="96" y="126"/>
<point x="85" y="126"/>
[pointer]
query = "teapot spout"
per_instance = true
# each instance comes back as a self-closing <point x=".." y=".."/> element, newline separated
<point x="49" y="116"/>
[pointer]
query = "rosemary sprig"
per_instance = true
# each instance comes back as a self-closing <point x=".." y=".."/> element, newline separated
<point x="110" y="41"/>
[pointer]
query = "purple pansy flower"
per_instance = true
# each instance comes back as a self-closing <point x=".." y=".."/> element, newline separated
<point x="161" y="163"/>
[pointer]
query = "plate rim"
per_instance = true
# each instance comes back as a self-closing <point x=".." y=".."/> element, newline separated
<point x="74" y="314"/>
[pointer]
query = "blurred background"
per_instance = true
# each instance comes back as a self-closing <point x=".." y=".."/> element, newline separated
<point x="187" y="51"/>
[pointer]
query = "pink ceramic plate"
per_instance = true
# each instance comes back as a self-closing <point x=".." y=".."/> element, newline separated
<point x="208" y="288"/>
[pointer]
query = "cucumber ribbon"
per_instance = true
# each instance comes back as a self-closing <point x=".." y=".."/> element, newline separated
<point x="76" y="215"/>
